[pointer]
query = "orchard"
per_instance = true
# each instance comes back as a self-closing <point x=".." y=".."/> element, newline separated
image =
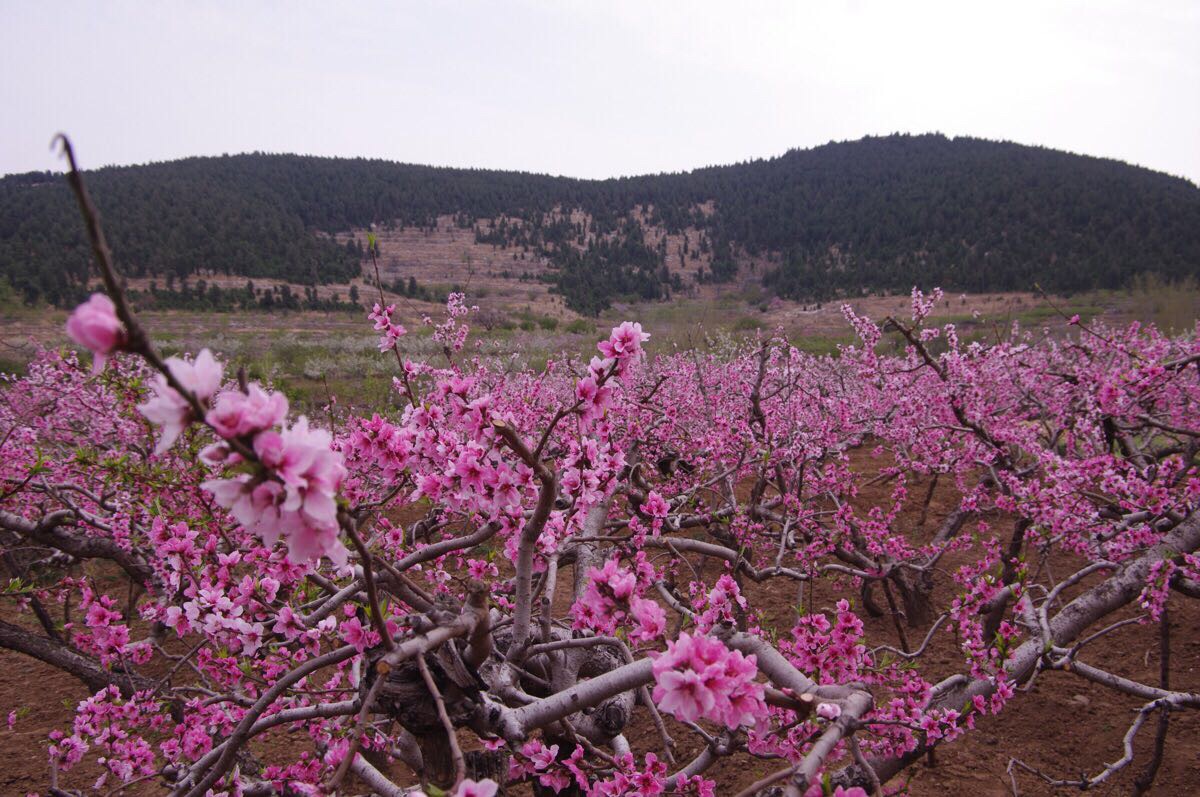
<point x="486" y="585"/>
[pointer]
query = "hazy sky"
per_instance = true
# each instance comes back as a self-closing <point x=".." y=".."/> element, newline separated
<point x="593" y="89"/>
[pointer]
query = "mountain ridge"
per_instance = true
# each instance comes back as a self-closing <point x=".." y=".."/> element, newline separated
<point x="562" y="176"/>
<point x="879" y="213"/>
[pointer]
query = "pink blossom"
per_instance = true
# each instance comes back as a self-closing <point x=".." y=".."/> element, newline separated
<point x="95" y="326"/>
<point x="655" y="506"/>
<point x="816" y="790"/>
<point x="237" y="414"/>
<point x="481" y="569"/>
<point x="167" y="408"/>
<point x="625" y="342"/>
<point x="555" y="780"/>
<point x="452" y="333"/>
<point x="471" y="788"/>
<point x="698" y="677"/>
<point x="289" y="624"/>
<point x="311" y="471"/>
<point x="684" y="695"/>
<point x="1035" y="413"/>
<point x="355" y="634"/>
<point x="603" y="601"/>
<point x="301" y="505"/>
<point x="541" y="756"/>
<point x="392" y="332"/>
<point x="619" y="582"/>
<point x="594" y="397"/>
<point x="651" y="620"/>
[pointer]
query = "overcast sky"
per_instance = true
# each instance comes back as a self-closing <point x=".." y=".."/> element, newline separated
<point x="593" y="89"/>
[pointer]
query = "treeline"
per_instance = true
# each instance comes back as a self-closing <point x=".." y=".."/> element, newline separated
<point x="211" y="297"/>
<point x="595" y="259"/>
<point x="411" y="289"/>
<point x="876" y="214"/>
<point x="178" y="218"/>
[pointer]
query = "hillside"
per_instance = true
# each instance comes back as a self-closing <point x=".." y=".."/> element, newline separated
<point x="880" y="214"/>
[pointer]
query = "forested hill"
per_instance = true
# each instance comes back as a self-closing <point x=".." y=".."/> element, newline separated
<point x="876" y="214"/>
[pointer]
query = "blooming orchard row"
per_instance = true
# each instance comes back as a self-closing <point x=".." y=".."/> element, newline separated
<point x="234" y="525"/>
<point x="544" y="561"/>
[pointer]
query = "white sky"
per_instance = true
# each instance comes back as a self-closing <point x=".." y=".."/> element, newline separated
<point x="593" y="89"/>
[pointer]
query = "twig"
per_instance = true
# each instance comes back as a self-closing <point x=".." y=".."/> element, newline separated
<point x="758" y="785"/>
<point x="360" y="728"/>
<point x="377" y="619"/>
<point x="229" y="748"/>
<point x="408" y="391"/>
<point x="1145" y="779"/>
<point x="861" y="760"/>
<point x="460" y="765"/>
<point x="928" y="637"/>
<point x="891" y="599"/>
<point x="137" y="341"/>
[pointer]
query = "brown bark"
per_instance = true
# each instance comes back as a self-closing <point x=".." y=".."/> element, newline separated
<point x="58" y="654"/>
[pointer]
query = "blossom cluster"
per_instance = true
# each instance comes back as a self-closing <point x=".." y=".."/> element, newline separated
<point x="391" y="331"/>
<point x="611" y="595"/>
<point x="95" y="326"/>
<point x="292" y="495"/>
<point x="298" y="500"/>
<point x="452" y="332"/>
<point x="764" y="460"/>
<point x="698" y="677"/>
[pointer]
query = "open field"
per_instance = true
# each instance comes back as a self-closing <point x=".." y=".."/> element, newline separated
<point x="307" y="351"/>
<point x="318" y="353"/>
